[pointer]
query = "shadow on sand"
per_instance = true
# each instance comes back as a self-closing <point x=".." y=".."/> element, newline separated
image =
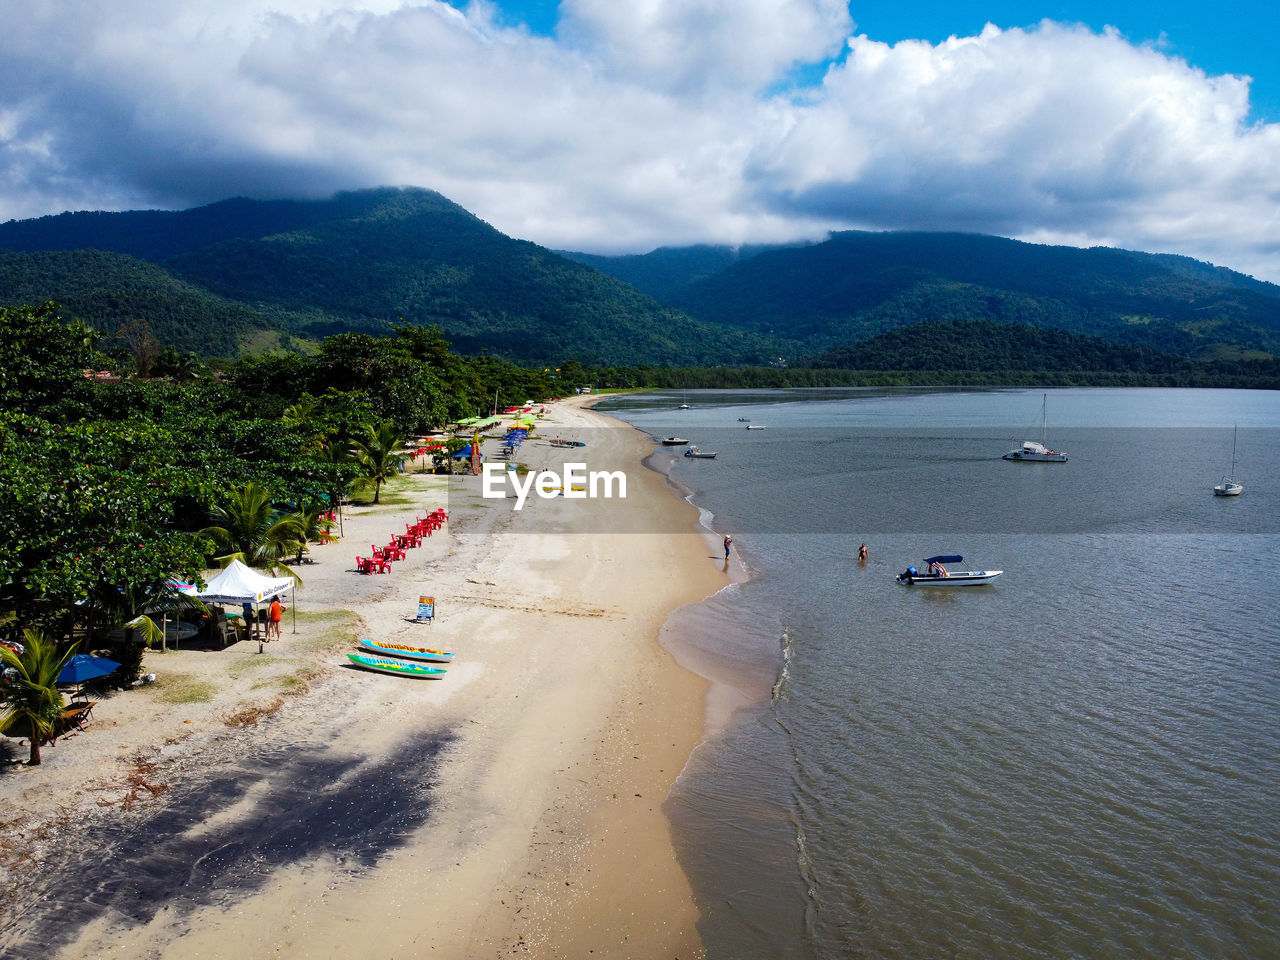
<point x="307" y="805"/>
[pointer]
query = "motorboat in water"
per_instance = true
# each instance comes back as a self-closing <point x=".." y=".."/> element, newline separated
<point x="697" y="454"/>
<point x="755" y="426"/>
<point x="937" y="575"/>
<point x="1229" y="487"/>
<point x="684" y="406"/>
<point x="674" y="441"/>
<point x="1033" y="452"/>
<point x="744" y="419"/>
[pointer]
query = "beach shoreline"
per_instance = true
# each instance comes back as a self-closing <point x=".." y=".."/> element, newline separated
<point x="559" y="732"/>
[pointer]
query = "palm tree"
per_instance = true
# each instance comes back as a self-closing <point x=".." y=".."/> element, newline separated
<point x="378" y="453"/>
<point x="31" y="689"/>
<point x="315" y="529"/>
<point x="250" y="529"/>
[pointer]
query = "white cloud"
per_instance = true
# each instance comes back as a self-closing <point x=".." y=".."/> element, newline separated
<point x="691" y="46"/>
<point x="642" y="123"/>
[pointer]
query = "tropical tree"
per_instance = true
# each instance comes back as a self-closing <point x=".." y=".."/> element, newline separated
<point x="249" y="528"/>
<point x="315" y="528"/>
<point x="41" y="358"/>
<point x="377" y="452"/>
<point x="31" y="687"/>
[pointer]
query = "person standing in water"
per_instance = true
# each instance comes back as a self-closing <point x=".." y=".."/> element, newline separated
<point x="728" y="546"/>
<point x="862" y="553"/>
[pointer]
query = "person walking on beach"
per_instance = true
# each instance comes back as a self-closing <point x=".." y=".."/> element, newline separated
<point x="273" y="619"/>
<point x="728" y="546"/>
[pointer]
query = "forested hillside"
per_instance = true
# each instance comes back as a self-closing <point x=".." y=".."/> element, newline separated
<point x="856" y="285"/>
<point x="222" y="275"/>
<point x="985" y="345"/>
<point x="241" y="276"/>
<point x="665" y="273"/>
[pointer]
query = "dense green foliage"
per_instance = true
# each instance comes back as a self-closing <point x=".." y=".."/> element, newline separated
<point x="991" y="346"/>
<point x="970" y="352"/>
<point x="112" y="489"/>
<point x="110" y="290"/>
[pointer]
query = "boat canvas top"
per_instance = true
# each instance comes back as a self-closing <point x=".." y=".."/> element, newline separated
<point x="944" y="558"/>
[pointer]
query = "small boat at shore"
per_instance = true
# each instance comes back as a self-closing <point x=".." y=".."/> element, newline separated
<point x="557" y="442"/>
<point x="401" y="668"/>
<point x="674" y="441"/>
<point x="937" y="575"/>
<point x="404" y="650"/>
<point x="697" y="454"/>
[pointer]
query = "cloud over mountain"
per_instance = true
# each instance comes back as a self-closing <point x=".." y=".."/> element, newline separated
<point x="639" y="124"/>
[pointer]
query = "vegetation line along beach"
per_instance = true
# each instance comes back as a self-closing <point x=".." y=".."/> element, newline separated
<point x="244" y="798"/>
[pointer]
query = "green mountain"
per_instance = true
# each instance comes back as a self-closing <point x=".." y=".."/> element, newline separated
<point x="242" y="275"/>
<point x="664" y="273"/>
<point x="857" y="285"/>
<point x="110" y="290"/>
<point x="219" y="275"/>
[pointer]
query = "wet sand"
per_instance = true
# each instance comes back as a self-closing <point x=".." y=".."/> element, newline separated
<point x="305" y="809"/>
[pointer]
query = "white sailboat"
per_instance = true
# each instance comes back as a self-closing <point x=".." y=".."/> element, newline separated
<point x="1037" y="452"/>
<point x="1229" y="487"/>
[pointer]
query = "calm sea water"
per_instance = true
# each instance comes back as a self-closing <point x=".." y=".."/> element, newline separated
<point x="1082" y="760"/>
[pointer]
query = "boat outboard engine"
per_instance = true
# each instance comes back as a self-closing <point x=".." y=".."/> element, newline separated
<point x="907" y="574"/>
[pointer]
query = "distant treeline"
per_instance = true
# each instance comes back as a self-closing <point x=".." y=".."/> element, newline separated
<point x="977" y="352"/>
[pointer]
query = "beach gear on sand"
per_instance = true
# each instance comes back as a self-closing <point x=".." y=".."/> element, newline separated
<point x="404" y="650"/>
<point x="402" y="668"/>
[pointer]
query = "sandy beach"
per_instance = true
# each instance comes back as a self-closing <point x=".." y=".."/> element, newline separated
<point x="284" y="804"/>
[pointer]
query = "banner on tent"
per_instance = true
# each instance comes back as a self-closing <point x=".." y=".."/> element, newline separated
<point x="426" y="609"/>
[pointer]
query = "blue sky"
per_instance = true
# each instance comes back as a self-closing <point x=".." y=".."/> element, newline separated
<point x="617" y="126"/>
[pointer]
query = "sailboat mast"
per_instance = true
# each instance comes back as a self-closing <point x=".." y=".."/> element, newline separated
<point x="1044" y="416"/>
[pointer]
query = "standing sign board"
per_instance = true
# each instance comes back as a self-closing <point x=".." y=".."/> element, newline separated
<point x="426" y="609"/>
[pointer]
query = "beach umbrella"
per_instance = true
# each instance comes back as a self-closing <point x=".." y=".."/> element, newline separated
<point x="84" y="667"/>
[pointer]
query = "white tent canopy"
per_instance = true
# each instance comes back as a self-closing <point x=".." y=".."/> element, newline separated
<point x="240" y="584"/>
<point x="237" y="583"/>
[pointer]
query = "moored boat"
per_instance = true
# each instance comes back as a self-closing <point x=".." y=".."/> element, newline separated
<point x="937" y="575"/>
<point x="405" y="650"/>
<point x="1229" y="487"/>
<point x="402" y="668"/>
<point x="697" y="454"/>
<point x="1032" y="452"/>
<point x="674" y="441"/>
<point x="755" y="426"/>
